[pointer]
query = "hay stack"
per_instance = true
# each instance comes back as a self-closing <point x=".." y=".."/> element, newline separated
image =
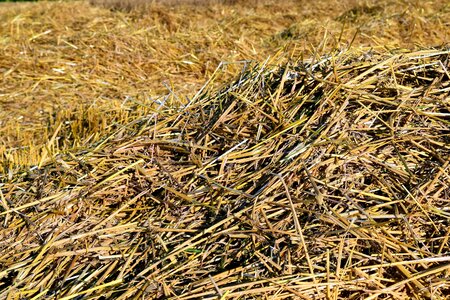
<point x="325" y="178"/>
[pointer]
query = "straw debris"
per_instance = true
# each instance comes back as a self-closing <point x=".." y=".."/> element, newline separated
<point x="312" y="178"/>
<point x="319" y="172"/>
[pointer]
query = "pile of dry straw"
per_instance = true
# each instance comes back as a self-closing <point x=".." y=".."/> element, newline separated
<point x="313" y="179"/>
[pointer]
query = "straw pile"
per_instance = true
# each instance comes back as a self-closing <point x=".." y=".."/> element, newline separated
<point x="316" y="173"/>
<point x="311" y="179"/>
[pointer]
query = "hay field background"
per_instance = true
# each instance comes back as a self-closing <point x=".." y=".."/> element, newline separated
<point x="225" y="150"/>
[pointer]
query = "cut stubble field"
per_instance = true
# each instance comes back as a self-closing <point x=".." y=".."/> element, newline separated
<point x="225" y="150"/>
<point x="59" y="58"/>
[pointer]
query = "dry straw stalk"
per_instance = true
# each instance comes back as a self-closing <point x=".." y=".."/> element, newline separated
<point x="319" y="172"/>
<point x="308" y="179"/>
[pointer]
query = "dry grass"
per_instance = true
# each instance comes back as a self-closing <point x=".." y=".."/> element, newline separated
<point x="314" y="179"/>
<point x="139" y="5"/>
<point x="312" y="164"/>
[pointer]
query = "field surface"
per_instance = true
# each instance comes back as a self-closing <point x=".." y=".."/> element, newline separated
<point x="225" y="150"/>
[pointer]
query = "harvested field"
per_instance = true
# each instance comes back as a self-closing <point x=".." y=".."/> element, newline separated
<point x="57" y="59"/>
<point x="268" y="151"/>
